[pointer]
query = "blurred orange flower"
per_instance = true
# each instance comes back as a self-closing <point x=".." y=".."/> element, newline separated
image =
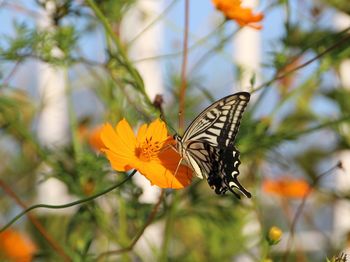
<point x="90" y="135"/>
<point x="148" y="152"/>
<point x="94" y="138"/>
<point x="15" y="246"/>
<point x="287" y="187"/>
<point x="232" y="9"/>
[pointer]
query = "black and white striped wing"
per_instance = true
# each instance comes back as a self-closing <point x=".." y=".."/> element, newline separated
<point x="223" y="175"/>
<point x="208" y="143"/>
<point x="218" y="165"/>
<point x="218" y="124"/>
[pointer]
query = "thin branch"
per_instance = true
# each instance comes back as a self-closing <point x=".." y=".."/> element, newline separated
<point x="207" y="54"/>
<point x="184" y="69"/>
<point x="150" y="219"/>
<point x="162" y="14"/>
<point x="121" y="51"/>
<point x="7" y="79"/>
<point x="326" y="51"/>
<point x="292" y="135"/>
<point x="59" y="250"/>
<point x="196" y="44"/>
<point x="21" y="9"/>
<point x="302" y="205"/>
<point x="74" y="203"/>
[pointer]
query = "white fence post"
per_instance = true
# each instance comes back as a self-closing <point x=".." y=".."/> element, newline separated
<point x="53" y="119"/>
<point x="247" y="51"/>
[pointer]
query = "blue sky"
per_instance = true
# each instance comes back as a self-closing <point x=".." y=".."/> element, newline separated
<point x="217" y="73"/>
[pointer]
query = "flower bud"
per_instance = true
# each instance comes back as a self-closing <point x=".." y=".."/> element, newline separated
<point x="274" y="235"/>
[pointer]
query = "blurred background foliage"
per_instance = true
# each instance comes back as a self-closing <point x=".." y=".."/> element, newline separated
<point x="295" y="126"/>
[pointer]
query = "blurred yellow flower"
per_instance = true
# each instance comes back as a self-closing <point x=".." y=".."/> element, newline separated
<point x="275" y="235"/>
<point x="287" y="187"/>
<point x="16" y="247"/>
<point x="232" y="9"/>
<point x="149" y="152"/>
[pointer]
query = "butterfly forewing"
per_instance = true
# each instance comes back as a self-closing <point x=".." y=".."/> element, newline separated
<point x="208" y="143"/>
<point x="218" y="124"/>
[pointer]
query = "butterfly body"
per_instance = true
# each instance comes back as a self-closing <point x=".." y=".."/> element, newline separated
<point x="207" y="145"/>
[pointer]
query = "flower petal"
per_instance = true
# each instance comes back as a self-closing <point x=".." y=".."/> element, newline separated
<point x="244" y="16"/>
<point x="116" y="141"/>
<point x="157" y="131"/>
<point x="120" y="149"/>
<point x="119" y="162"/>
<point x="161" y="176"/>
<point x="166" y="171"/>
<point x="141" y="134"/>
<point x="125" y="132"/>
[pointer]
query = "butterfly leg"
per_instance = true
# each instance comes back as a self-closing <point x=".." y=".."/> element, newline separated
<point x="176" y="170"/>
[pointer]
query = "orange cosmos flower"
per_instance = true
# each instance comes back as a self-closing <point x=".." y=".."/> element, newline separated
<point x="148" y="152"/>
<point x="94" y="138"/>
<point x="15" y="246"/>
<point x="287" y="187"/>
<point x="232" y="9"/>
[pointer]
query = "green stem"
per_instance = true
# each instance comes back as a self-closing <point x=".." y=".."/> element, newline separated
<point x="73" y="123"/>
<point x="201" y="61"/>
<point x="265" y="249"/>
<point x="336" y="45"/>
<point x="318" y="127"/>
<point x="123" y="227"/>
<point x="275" y="139"/>
<point x="74" y="203"/>
<point x="149" y="220"/>
<point x="169" y="224"/>
<point x="158" y="18"/>
<point x="193" y="47"/>
<point x="133" y="72"/>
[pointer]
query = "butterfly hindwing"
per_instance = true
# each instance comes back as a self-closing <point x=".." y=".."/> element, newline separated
<point x="223" y="175"/>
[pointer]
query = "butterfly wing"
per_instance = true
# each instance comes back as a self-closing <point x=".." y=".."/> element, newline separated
<point x="208" y="143"/>
<point x="219" y="123"/>
<point x="224" y="174"/>
<point x="200" y="156"/>
<point x="219" y="166"/>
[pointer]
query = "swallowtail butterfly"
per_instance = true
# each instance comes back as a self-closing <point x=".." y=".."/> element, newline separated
<point x="207" y="145"/>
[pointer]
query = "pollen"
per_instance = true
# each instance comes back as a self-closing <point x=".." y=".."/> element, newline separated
<point x="148" y="150"/>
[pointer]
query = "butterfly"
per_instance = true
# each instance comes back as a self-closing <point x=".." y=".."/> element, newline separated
<point x="207" y="145"/>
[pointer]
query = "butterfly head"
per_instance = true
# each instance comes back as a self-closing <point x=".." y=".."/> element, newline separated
<point x="178" y="140"/>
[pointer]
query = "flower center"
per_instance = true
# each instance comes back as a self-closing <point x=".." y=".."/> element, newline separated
<point x="148" y="150"/>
